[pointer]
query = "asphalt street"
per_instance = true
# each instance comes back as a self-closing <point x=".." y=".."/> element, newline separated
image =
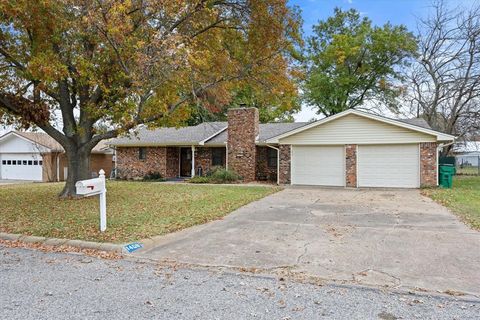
<point x="47" y="285"/>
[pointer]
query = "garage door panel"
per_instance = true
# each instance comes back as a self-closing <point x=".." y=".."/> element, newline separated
<point x="318" y="165"/>
<point x="21" y="167"/>
<point x="388" y="166"/>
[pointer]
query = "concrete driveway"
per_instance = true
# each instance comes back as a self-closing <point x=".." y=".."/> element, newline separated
<point x="394" y="238"/>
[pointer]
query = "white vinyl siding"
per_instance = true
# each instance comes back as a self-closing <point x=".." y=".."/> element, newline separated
<point x="354" y="129"/>
<point x="318" y="165"/>
<point x="395" y="166"/>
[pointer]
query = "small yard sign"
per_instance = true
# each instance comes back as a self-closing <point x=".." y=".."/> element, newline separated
<point x="133" y="246"/>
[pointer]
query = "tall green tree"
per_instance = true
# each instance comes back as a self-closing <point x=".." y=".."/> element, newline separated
<point x="103" y="67"/>
<point x="349" y="62"/>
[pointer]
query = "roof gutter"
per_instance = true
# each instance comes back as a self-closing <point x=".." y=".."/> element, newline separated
<point x="136" y="145"/>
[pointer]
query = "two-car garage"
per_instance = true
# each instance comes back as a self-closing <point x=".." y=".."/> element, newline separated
<point x="377" y="165"/>
<point x="357" y="149"/>
<point x="388" y="166"/>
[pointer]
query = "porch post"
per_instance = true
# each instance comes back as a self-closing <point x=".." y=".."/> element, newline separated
<point x="193" y="161"/>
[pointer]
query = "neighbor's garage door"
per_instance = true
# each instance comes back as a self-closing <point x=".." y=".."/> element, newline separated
<point x="21" y="166"/>
<point x="318" y="165"/>
<point x="395" y="166"/>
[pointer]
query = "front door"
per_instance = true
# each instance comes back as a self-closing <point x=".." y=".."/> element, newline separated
<point x="185" y="162"/>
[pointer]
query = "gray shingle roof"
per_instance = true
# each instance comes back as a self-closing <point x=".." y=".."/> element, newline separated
<point x="419" y="122"/>
<point x="195" y="134"/>
<point x="266" y="131"/>
<point x="170" y="136"/>
<point x="467" y="147"/>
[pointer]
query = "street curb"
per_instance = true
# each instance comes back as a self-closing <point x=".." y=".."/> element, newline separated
<point x="155" y="241"/>
<point x="102" y="246"/>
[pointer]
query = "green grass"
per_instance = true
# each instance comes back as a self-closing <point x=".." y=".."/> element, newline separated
<point x="463" y="198"/>
<point x="135" y="210"/>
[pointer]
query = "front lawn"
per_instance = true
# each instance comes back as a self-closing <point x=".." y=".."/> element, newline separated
<point x="135" y="210"/>
<point x="463" y="198"/>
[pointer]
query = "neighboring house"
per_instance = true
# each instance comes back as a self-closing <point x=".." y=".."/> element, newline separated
<point x="38" y="157"/>
<point x="467" y="153"/>
<point x="352" y="149"/>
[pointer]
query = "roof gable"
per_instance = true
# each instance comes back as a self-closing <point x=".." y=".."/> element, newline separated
<point x="42" y="142"/>
<point x="390" y="125"/>
<point x="12" y="142"/>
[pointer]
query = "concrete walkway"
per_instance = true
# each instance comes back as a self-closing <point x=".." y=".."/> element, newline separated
<point x="394" y="238"/>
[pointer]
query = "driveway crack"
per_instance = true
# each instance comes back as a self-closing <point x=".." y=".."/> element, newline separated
<point x="305" y="250"/>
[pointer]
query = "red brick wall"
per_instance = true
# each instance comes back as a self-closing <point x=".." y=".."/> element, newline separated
<point x="101" y="161"/>
<point x="242" y="133"/>
<point x="130" y="166"/>
<point x="351" y="165"/>
<point x="263" y="169"/>
<point x="165" y="160"/>
<point x="285" y="159"/>
<point x="428" y="164"/>
<point x="203" y="158"/>
<point x="173" y="162"/>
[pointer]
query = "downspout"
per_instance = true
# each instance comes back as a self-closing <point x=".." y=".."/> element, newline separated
<point x="441" y="146"/>
<point x="57" y="160"/>
<point x="278" y="162"/>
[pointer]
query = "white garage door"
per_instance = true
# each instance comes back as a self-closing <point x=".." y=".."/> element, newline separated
<point x="318" y="165"/>
<point x="21" y="166"/>
<point x="395" y="166"/>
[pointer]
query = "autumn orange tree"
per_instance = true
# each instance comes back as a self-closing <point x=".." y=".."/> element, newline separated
<point x="100" y="68"/>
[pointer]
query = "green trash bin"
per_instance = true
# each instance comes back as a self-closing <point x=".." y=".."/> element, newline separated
<point x="446" y="173"/>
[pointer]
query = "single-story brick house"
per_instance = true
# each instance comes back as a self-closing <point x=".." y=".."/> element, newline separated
<point x="36" y="156"/>
<point x="350" y="149"/>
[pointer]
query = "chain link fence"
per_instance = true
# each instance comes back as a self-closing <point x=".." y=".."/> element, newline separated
<point x="468" y="164"/>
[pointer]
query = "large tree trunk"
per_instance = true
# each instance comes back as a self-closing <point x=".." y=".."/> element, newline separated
<point x="78" y="169"/>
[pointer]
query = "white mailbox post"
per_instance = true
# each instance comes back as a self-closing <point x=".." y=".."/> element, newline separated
<point x="92" y="187"/>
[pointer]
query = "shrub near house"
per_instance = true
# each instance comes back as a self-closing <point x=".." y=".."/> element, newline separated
<point x="217" y="175"/>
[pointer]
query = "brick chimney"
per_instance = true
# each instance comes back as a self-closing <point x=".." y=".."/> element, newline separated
<point x="242" y="134"/>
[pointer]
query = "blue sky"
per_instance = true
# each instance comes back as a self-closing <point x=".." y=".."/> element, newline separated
<point x="379" y="11"/>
